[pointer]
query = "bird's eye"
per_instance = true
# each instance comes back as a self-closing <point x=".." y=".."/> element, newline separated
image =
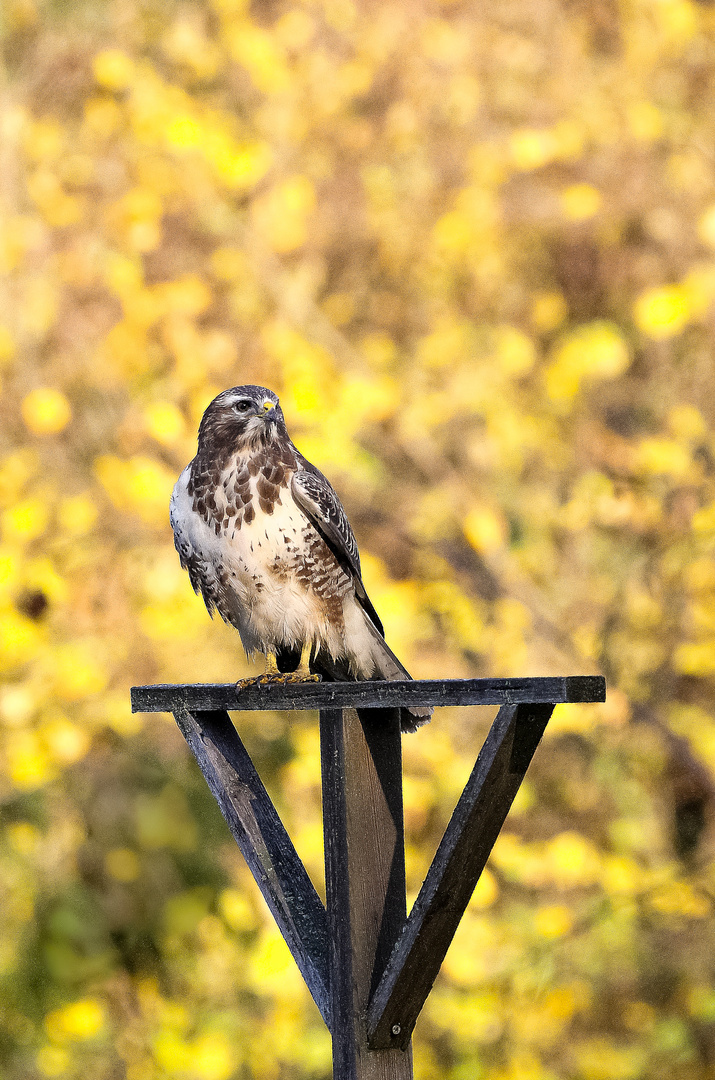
<point x="242" y="406"/>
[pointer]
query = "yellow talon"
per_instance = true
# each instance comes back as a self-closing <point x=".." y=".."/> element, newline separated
<point x="270" y="677"/>
<point x="271" y="674"/>
<point x="243" y="684"/>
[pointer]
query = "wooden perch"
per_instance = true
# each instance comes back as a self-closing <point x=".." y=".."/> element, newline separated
<point x="367" y="965"/>
<point x="368" y="695"/>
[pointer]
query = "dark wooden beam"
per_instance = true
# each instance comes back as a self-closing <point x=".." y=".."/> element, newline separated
<point x="460" y="859"/>
<point x="264" y="843"/>
<point x="368" y="968"/>
<point x="364" y="877"/>
<point x="369" y="695"/>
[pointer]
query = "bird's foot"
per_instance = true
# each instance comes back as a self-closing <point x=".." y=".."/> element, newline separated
<point x="288" y="677"/>
<point x="300" y="676"/>
<point x="244" y="684"/>
<point x="281" y="678"/>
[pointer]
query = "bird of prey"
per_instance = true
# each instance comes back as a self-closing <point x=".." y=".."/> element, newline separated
<point x="268" y="545"/>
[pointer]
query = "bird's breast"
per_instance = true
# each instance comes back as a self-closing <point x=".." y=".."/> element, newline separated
<point x="277" y="579"/>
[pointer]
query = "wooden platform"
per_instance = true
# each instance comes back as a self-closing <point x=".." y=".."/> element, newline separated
<point x="368" y="965"/>
<point x="369" y="695"/>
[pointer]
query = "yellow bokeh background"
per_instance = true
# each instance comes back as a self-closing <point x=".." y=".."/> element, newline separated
<point x="472" y="249"/>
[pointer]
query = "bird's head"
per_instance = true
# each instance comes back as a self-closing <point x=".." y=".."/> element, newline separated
<point x="242" y="417"/>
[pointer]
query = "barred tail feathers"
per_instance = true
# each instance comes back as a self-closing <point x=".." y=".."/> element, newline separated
<point x="388" y="667"/>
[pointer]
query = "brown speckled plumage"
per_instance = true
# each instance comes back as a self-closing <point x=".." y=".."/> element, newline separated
<point x="268" y="545"/>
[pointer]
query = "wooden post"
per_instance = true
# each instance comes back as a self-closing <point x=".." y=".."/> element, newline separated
<point x="365" y="878"/>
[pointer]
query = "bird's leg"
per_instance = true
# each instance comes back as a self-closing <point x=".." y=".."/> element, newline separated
<point x="271" y="671"/>
<point x="272" y="675"/>
<point x="303" y="673"/>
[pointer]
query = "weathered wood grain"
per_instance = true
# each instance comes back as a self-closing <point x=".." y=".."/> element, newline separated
<point x="368" y="967"/>
<point x="460" y="859"/>
<point x="365" y="878"/>
<point x="264" y="843"/>
<point x="369" y="695"/>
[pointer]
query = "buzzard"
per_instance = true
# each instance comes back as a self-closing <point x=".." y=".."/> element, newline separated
<point x="268" y="545"/>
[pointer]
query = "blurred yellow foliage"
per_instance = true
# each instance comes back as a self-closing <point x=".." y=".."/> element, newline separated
<point x="82" y="1019"/>
<point x="663" y="312"/>
<point x="548" y="310"/>
<point x="140" y="484"/>
<point x="79" y="672"/>
<point x="592" y="351"/>
<point x="473" y="253"/>
<point x="164" y="422"/>
<point x="26" y="520"/>
<point x="532" y="148"/>
<point x="207" y="1057"/>
<point x="662" y="456"/>
<point x="281" y="216"/>
<point x="486" y="891"/>
<point x="645" y="121"/>
<point x="53" y="1061"/>
<point x="46" y="411"/>
<point x="598" y="1059"/>
<point x="113" y="69"/>
<point x="28" y="762"/>
<point x="484" y="529"/>
<point x="580" y="201"/>
<point x="123" y="864"/>
<point x="77" y="514"/>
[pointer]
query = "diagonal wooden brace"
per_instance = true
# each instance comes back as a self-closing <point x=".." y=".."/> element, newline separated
<point x="264" y="843"/>
<point x="455" y="870"/>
